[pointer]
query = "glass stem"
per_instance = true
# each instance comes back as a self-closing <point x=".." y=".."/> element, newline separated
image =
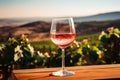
<point x="63" y="59"/>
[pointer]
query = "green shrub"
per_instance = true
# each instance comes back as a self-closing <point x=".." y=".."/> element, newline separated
<point x="16" y="51"/>
<point x="90" y="54"/>
<point x="55" y="60"/>
<point x="86" y="50"/>
<point x="110" y="40"/>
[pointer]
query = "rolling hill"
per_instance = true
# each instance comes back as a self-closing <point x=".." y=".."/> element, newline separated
<point x="39" y="30"/>
<point x="99" y="17"/>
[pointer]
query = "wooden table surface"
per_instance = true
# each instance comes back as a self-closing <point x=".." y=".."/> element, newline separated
<point x="99" y="72"/>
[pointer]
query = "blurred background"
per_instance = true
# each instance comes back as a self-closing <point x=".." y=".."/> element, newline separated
<point x="97" y="24"/>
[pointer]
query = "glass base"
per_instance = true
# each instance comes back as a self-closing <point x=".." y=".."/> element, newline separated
<point x="62" y="73"/>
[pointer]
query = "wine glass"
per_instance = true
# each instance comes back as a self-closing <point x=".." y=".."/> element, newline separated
<point x="62" y="34"/>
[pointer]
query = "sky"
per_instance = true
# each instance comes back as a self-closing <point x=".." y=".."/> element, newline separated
<point x="56" y="8"/>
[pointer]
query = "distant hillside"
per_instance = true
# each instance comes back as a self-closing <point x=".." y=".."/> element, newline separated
<point x="21" y="21"/>
<point x="40" y="30"/>
<point x="85" y="28"/>
<point x="35" y="31"/>
<point x="99" y="17"/>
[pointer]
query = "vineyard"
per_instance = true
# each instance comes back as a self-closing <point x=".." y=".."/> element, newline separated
<point x="95" y="49"/>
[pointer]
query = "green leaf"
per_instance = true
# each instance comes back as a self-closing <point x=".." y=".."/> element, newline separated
<point x="93" y="56"/>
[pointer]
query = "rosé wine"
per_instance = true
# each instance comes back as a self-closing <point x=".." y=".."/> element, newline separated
<point x="63" y="40"/>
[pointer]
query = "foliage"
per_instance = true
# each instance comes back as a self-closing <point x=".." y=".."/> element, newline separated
<point x="24" y="53"/>
<point x="91" y="54"/>
<point x="54" y="59"/>
<point x="7" y="52"/>
<point x="85" y="50"/>
<point x="44" y="46"/>
<point x="110" y="40"/>
<point x="16" y="51"/>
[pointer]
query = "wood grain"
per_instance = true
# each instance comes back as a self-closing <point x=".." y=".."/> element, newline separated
<point x="81" y="73"/>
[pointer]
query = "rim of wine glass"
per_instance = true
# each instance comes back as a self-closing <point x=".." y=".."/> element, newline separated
<point x="63" y="18"/>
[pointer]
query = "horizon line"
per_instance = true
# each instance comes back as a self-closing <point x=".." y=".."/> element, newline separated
<point x="58" y="16"/>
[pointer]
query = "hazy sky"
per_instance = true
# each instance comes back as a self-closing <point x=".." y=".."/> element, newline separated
<point x="56" y="8"/>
